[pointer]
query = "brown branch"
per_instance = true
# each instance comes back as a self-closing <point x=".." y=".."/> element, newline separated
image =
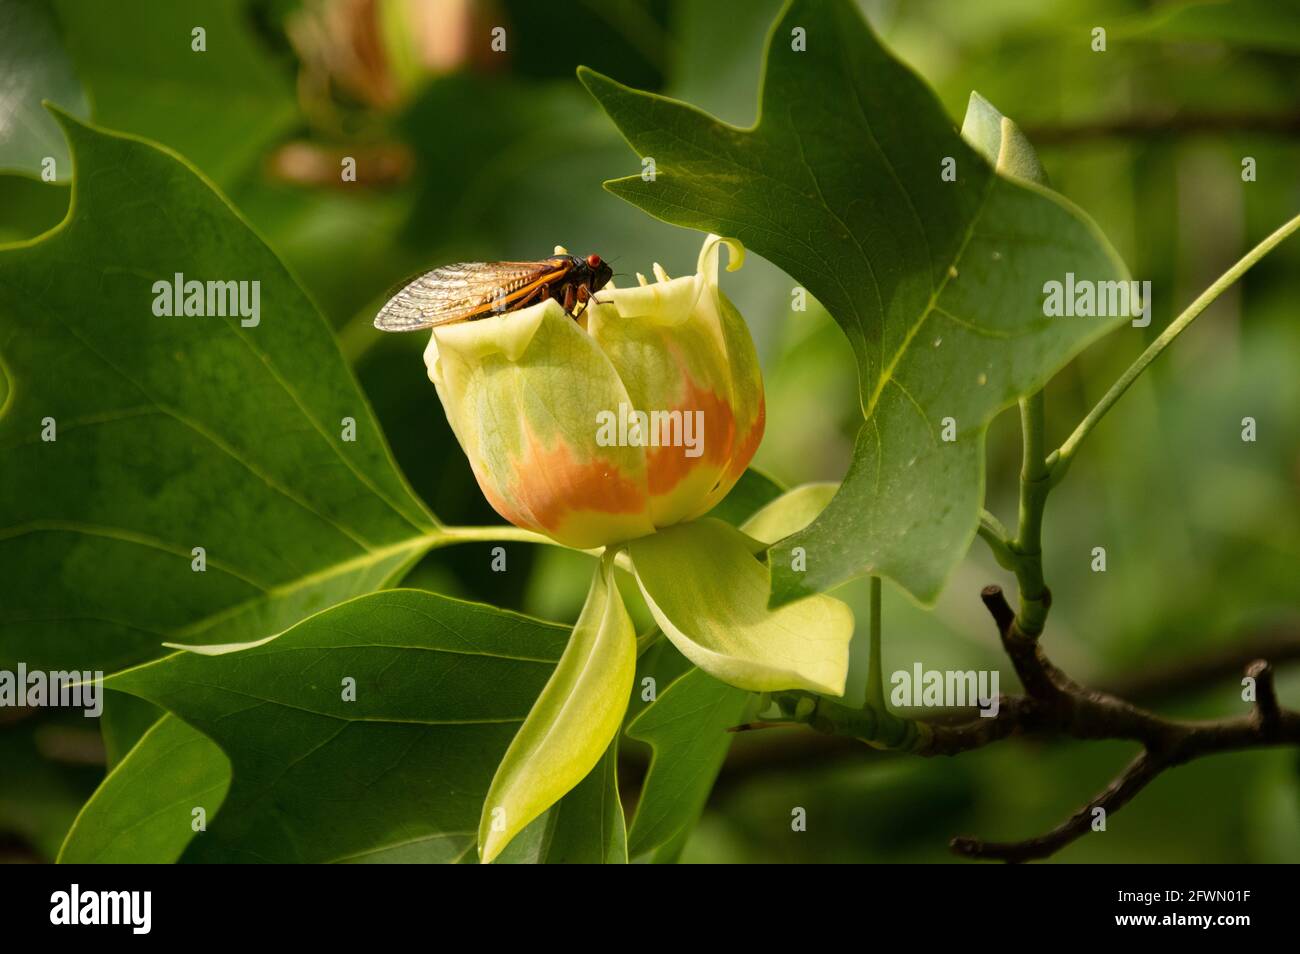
<point x="1131" y="781"/>
<point x="1268" y="716"/>
<point x="1055" y="704"/>
<point x="952" y="731"/>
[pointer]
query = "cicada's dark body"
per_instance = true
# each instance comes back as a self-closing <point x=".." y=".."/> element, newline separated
<point x="467" y="291"/>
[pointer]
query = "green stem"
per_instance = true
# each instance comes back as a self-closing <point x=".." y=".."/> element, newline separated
<point x="875" y="670"/>
<point x="1060" y="460"/>
<point x="1035" y="483"/>
<point x="879" y="728"/>
<point x="503" y="533"/>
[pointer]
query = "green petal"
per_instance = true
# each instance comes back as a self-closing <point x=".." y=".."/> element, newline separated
<point x="571" y="724"/>
<point x="708" y="593"/>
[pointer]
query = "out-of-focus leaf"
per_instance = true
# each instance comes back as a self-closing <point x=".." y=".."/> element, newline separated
<point x="219" y="108"/>
<point x="143" y="810"/>
<point x="938" y="284"/>
<point x="1262" y="24"/>
<point x="34" y="67"/>
<point x="175" y="433"/>
<point x="39" y="796"/>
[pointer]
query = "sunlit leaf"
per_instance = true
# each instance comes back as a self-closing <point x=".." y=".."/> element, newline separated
<point x="144" y="810"/>
<point x="175" y="433"/>
<point x="399" y="774"/>
<point x="686" y="728"/>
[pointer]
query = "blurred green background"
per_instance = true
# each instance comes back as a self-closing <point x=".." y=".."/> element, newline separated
<point x="467" y="153"/>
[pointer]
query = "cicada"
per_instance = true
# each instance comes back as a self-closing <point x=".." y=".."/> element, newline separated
<point x="468" y="291"/>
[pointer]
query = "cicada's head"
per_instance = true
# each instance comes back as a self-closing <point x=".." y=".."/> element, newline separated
<point x="599" y="270"/>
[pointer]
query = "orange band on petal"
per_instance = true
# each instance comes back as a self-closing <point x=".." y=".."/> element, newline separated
<point x="667" y="465"/>
<point x="553" y="484"/>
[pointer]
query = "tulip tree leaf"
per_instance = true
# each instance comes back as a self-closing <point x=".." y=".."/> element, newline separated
<point x="686" y="728"/>
<point x="33" y="67"/>
<point x="937" y="284"/>
<point x="143" y="810"/>
<point x="175" y="432"/>
<point x="123" y="723"/>
<point x="587" y="825"/>
<point x="399" y="774"/>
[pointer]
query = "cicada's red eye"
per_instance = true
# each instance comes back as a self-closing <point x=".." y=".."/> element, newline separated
<point x="593" y="260"/>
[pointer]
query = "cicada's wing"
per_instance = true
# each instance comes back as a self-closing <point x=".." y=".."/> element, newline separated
<point x="463" y="291"/>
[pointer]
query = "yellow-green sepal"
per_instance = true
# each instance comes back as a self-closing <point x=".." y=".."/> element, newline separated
<point x="709" y="593"/>
<point x="572" y="722"/>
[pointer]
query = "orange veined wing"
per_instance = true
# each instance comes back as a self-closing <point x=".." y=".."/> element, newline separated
<point x="466" y="290"/>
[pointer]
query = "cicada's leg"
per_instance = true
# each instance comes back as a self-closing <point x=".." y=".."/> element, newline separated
<point x="570" y="299"/>
<point x="584" y="296"/>
<point x="537" y="295"/>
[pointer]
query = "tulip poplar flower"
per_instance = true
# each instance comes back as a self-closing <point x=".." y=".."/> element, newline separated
<point x="621" y="430"/>
<point x="526" y="393"/>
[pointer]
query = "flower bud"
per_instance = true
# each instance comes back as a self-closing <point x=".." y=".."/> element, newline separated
<point x="641" y="414"/>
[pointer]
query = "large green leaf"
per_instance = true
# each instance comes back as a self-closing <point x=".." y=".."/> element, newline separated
<point x="938" y="284"/>
<point x="686" y="727"/>
<point x="399" y="774"/>
<point x="220" y="108"/>
<point x="34" y="67"/>
<point x="587" y="825"/>
<point x="175" y="433"/>
<point x="123" y="723"/>
<point x="143" y="811"/>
